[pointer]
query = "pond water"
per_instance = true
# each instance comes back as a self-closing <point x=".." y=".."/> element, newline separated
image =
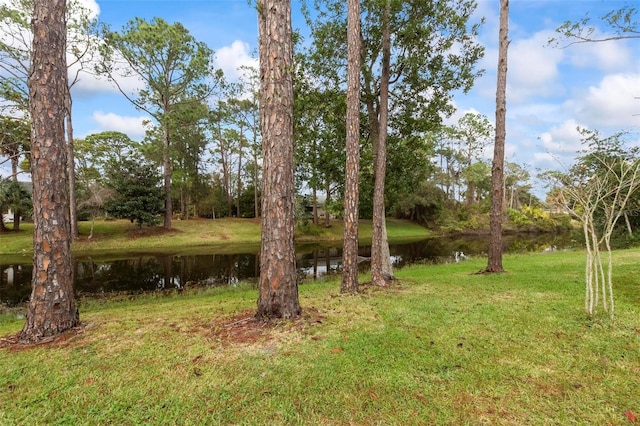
<point x="95" y="276"/>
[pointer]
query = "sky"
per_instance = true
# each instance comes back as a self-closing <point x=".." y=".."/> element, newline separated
<point x="550" y="91"/>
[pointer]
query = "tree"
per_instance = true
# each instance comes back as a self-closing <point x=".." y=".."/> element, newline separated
<point x="99" y="151"/>
<point x="381" y="272"/>
<point x="596" y="191"/>
<point x="51" y="308"/>
<point x="14" y="196"/>
<point x="220" y="154"/>
<point x="494" y="263"/>
<point x="96" y="154"/>
<point x="15" y="61"/>
<point x="624" y="23"/>
<point x="473" y="131"/>
<point x="14" y="140"/>
<point x="516" y="185"/>
<point x="188" y="144"/>
<point x="421" y="75"/>
<point x="349" y="282"/>
<point x="137" y="194"/>
<point x="175" y="70"/>
<point x="278" y="286"/>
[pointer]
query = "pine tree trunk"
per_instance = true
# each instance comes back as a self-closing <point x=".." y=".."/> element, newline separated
<point x="349" y="282"/>
<point x="255" y="187"/>
<point x="239" y="183"/>
<point x="497" y="172"/>
<point x="51" y="308"/>
<point x="71" y="171"/>
<point x="381" y="272"/>
<point x="278" y="286"/>
<point x="14" y="176"/>
<point x="166" y="163"/>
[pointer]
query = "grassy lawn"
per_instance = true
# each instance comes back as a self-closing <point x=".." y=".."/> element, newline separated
<point x="122" y="236"/>
<point x="442" y="346"/>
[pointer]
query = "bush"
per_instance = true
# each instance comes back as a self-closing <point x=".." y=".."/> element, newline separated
<point x="518" y="218"/>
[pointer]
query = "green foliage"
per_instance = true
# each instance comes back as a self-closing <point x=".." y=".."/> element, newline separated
<point x="536" y="219"/>
<point x="153" y="51"/>
<point x="623" y="24"/>
<point x="518" y="218"/>
<point x="423" y="77"/>
<point x="99" y="151"/>
<point x="424" y="205"/>
<point x="16" y="48"/>
<point x="138" y="194"/>
<point x="13" y="195"/>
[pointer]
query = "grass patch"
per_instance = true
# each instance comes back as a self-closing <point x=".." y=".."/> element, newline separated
<point x="189" y="235"/>
<point x="441" y="346"/>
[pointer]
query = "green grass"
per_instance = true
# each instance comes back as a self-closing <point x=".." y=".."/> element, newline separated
<point x="190" y="235"/>
<point x="442" y="346"/>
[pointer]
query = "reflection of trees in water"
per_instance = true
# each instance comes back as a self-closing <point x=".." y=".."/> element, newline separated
<point x="145" y="273"/>
<point x="15" y="283"/>
<point x="139" y="274"/>
<point x="163" y="272"/>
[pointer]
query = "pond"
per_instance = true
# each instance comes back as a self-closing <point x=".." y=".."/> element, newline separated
<point x="95" y="276"/>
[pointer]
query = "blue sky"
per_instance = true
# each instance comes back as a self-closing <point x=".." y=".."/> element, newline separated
<point x="550" y="91"/>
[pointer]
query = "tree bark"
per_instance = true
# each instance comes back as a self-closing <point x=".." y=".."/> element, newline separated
<point x="166" y="165"/>
<point x="497" y="171"/>
<point x="381" y="272"/>
<point x="239" y="182"/>
<point x="278" y="286"/>
<point x="51" y="308"/>
<point x="349" y="282"/>
<point x="17" y="211"/>
<point x="71" y="170"/>
<point x="255" y="180"/>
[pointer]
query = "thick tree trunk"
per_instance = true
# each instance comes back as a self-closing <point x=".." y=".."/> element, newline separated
<point x="278" y="285"/>
<point x="52" y="307"/>
<point x="381" y="272"/>
<point x="494" y="263"/>
<point x="349" y="282"/>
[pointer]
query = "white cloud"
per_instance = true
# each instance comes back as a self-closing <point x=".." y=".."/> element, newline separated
<point x="533" y="68"/>
<point x="612" y="103"/>
<point x="91" y="6"/>
<point x="231" y="58"/>
<point x="561" y="143"/>
<point x="610" y="56"/>
<point x="89" y="84"/>
<point x="132" y="126"/>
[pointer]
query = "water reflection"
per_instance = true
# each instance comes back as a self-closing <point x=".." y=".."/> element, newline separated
<point x="153" y="272"/>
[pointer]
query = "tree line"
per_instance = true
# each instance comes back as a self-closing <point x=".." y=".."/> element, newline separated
<point x="204" y="137"/>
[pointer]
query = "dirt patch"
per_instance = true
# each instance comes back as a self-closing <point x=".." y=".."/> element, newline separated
<point x="242" y="329"/>
<point x="245" y="328"/>
<point x="395" y="285"/>
<point x="145" y="231"/>
<point x="64" y="339"/>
